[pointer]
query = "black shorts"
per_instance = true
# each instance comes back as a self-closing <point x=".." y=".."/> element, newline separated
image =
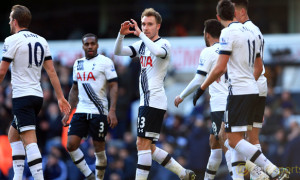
<point x="216" y="118"/>
<point x="25" y="111"/>
<point x="94" y="125"/>
<point x="240" y="111"/>
<point x="149" y="122"/>
<point x="259" y="112"/>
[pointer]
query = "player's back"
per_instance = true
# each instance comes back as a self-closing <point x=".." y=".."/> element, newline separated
<point x="238" y="42"/>
<point x="262" y="80"/>
<point x="27" y="51"/>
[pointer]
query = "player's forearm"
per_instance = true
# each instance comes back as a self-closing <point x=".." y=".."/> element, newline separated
<point x="153" y="48"/>
<point x="73" y="97"/>
<point x="119" y="49"/>
<point x="258" y="68"/>
<point x="113" y="94"/>
<point x="56" y="85"/>
<point x="3" y="69"/>
<point x="193" y="85"/>
<point x="213" y="75"/>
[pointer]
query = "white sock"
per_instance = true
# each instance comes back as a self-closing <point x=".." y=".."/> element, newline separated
<point x="228" y="161"/>
<point x="252" y="153"/>
<point x="213" y="164"/>
<point x="144" y="164"/>
<point x="18" y="156"/>
<point x="34" y="160"/>
<point x="163" y="158"/>
<point x="101" y="163"/>
<point x="78" y="159"/>
<point x="238" y="164"/>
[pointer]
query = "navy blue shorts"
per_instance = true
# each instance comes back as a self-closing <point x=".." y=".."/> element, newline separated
<point x="149" y="122"/>
<point x="25" y="111"/>
<point x="216" y="118"/>
<point x="259" y="112"/>
<point x="240" y="112"/>
<point x="94" y="125"/>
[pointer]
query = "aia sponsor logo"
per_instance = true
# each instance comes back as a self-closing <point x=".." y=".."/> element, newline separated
<point x="145" y="61"/>
<point x="85" y="76"/>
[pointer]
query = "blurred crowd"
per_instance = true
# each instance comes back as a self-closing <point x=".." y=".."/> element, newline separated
<point x="185" y="137"/>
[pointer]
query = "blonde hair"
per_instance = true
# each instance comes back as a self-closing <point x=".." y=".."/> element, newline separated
<point x="152" y="12"/>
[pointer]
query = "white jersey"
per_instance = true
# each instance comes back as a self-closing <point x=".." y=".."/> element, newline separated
<point x="27" y="52"/>
<point x="153" y="72"/>
<point x="262" y="80"/>
<point x="240" y="43"/>
<point x="218" y="91"/>
<point x="91" y="77"/>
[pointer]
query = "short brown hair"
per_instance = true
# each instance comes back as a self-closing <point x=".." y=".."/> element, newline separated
<point x="225" y="10"/>
<point x="241" y="3"/>
<point x="213" y="27"/>
<point x="22" y="15"/>
<point x="152" y="12"/>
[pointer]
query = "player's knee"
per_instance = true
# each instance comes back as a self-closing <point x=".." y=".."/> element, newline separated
<point x="71" y="147"/>
<point x="213" y="142"/>
<point x="143" y="144"/>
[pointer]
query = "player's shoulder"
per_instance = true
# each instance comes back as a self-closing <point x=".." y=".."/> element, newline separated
<point x="163" y="41"/>
<point x="12" y="39"/>
<point x="249" y="24"/>
<point x="103" y="59"/>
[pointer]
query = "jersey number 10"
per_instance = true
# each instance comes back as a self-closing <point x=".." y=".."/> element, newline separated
<point x="35" y="54"/>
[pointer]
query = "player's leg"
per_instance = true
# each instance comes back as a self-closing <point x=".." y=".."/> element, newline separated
<point x="149" y="126"/>
<point x="215" y="158"/>
<point x="144" y="158"/>
<point x="239" y="114"/>
<point x="18" y="152"/>
<point x="25" y="110"/>
<point x="78" y="128"/>
<point x="222" y="139"/>
<point x="165" y="159"/>
<point x="98" y="127"/>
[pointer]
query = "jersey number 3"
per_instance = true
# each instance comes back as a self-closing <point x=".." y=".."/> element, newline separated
<point x="35" y="54"/>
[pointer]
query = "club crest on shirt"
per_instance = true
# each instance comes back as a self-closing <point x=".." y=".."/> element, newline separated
<point x="5" y="48"/>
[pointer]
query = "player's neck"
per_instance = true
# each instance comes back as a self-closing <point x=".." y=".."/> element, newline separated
<point x="245" y="18"/>
<point x="155" y="37"/>
<point x="213" y="41"/>
<point x="18" y="29"/>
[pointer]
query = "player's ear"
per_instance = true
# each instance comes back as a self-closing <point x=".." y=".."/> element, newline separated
<point x="158" y="26"/>
<point x="218" y="17"/>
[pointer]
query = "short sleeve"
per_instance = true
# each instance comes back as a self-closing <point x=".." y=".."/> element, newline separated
<point x="167" y="47"/>
<point x="47" y="52"/>
<point x="10" y="47"/>
<point x="226" y="42"/>
<point x="205" y="62"/>
<point x="110" y="71"/>
<point x="135" y="48"/>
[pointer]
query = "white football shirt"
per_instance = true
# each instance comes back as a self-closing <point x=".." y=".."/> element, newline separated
<point x="242" y="46"/>
<point x="218" y="91"/>
<point x="153" y="72"/>
<point x="91" y="77"/>
<point x="27" y="52"/>
<point x="262" y="80"/>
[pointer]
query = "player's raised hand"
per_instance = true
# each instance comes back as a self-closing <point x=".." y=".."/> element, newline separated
<point x="112" y="119"/>
<point x="64" y="106"/>
<point x="64" y="120"/>
<point x="125" y="28"/>
<point x="177" y="101"/>
<point x="197" y="95"/>
<point x="137" y="30"/>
